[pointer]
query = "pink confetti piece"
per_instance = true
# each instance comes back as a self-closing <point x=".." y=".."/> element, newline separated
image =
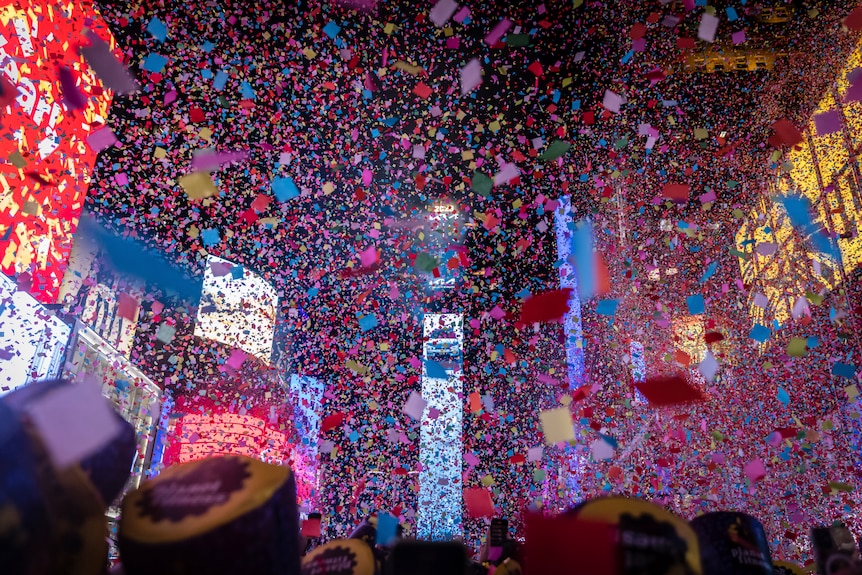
<point x="708" y="27"/>
<point x="414" y="406"/>
<point x="73" y="421"/>
<point x="471" y="76"/>
<point x="210" y="161"/>
<point x="442" y="11"/>
<point x="755" y="470"/>
<point x="101" y="139"/>
<point x="612" y="101"/>
<point x="498" y="31"/>
<point x="368" y="256"/>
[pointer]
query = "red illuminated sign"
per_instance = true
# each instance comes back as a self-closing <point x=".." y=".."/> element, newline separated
<point x="45" y="162"/>
<point x="208" y="429"/>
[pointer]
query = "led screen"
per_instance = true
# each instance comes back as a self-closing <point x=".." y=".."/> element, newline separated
<point x="45" y="160"/>
<point x="237" y="308"/>
<point x="32" y="340"/>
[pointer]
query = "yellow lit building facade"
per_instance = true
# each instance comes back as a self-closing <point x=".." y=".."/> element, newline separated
<point x="777" y="263"/>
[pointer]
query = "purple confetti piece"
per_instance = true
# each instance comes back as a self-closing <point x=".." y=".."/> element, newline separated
<point x="110" y="71"/>
<point x="73" y="98"/>
<point x="203" y="162"/>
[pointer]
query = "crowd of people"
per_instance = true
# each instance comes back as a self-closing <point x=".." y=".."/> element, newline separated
<point x="235" y="514"/>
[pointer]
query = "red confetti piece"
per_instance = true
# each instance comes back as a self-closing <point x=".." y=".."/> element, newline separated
<point x="310" y="528"/>
<point x="546" y="307"/>
<point x="552" y="543"/>
<point x="854" y="19"/>
<point x="676" y="192"/>
<point x="713" y="336"/>
<point x="673" y="390"/>
<point x="422" y="90"/>
<point x="786" y="133"/>
<point x="331" y="421"/>
<point x="478" y="502"/>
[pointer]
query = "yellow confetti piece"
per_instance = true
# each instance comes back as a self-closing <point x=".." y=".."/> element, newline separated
<point x="409" y="68"/>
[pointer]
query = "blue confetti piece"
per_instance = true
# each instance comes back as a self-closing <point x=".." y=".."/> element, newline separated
<point x="798" y="210"/>
<point x="610" y="440"/>
<point x="154" y="62"/>
<point x="246" y="91"/>
<point x="368" y="322"/>
<point x="731" y="13"/>
<point x="207" y="46"/>
<point x="210" y="237"/>
<point x="332" y="29"/>
<point x="710" y="271"/>
<point x="607" y="307"/>
<point x="696" y="304"/>
<point x="585" y="260"/>
<point x="387" y="528"/>
<point x="129" y="257"/>
<point x="157" y="29"/>
<point x="237" y="272"/>
<point x="783" y="396"/>
<point x="434" y="370"/>
<point x="220" y="80"/>
<point x="284" y="189"/>
<point x="844" y="370"/>
<point x="760" y="333"/>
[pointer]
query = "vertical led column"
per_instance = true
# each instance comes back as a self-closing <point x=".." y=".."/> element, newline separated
<point x="564" y="226"/>
<point x="638" y="368"/>
<point x="307" y="393"/>
<point x="440" y="445"/>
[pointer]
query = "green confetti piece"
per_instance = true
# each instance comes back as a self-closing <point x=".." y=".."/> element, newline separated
<point x="425" y="262"/>
<point x="482" y="184"/>
<point x="517" y="40"/>
<point x="737" y="253"/>
<point x="839" y="486"/>
<point x="797" y="347"/>
<point x="556" y="150"/>
<point x="814" y="298"/>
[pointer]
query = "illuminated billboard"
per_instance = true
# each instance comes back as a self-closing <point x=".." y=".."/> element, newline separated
<point x="32" y="340"/>
<point x="199" y="436"/>
<point x="237" y="308"/>
<point x="201" y="427"/>
<point x="45" y="158"/>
